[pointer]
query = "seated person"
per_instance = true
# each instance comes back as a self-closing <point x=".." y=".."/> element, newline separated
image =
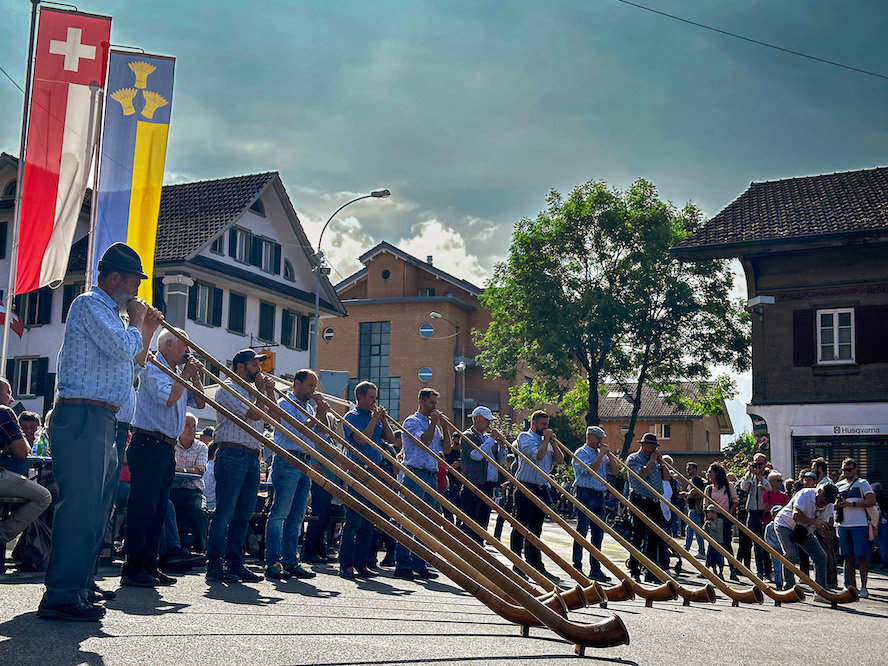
<point x="29" y="422"/>
<point x="188" y="495"/>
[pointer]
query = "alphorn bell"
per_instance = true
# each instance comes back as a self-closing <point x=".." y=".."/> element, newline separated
<point x="779" y="596"/>
<point x="577" y="597"/>
<point x="592" y="589"/>
<point x="665" y="592"/>
<point x="846" y="596"/>
<point x="608" y="632"/>
<point x="703" y="594"/>
<point x="738" y="596"/>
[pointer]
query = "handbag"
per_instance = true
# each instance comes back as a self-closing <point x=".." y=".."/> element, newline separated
<point x="799" y="534"/>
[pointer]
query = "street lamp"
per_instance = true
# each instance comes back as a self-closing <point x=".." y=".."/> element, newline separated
<point x="321" y="269"/>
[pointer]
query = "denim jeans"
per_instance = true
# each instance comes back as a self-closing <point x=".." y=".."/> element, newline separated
<point x="354" y="550"/>
<point x="291" y="489"/>
<point x="84" y="462"/>
<point x="169" y="535"/>
<point x="237" y="484"/>
<point x="696" y="518"/>
<point x="313" y="544"/>
<point x="810" y="546"/>
<point x="404" y="558"/>
<point x="594" y="501"/>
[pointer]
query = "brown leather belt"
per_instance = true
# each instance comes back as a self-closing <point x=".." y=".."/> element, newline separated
<point x="83" y="401"/>
<point x="154" y="435"/>
<point x="239" y="447"/>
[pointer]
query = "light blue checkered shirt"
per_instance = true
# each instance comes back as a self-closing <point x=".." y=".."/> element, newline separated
<point x="414" y="455"/>
<point x="528" y="443"/>
<point x="583" y="479"/>
<point x="96" y="358"/>
<point x="227" y="430"/>
<point x="281" y="438"/>
<point x="152" y="412"/>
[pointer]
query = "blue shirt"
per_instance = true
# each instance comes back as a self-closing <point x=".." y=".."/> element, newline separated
<point x="360" y="418"/>
<point x="583" y="479"/>
<point x="488" y="445"/>
<point x="152" y="412"/>
<point x="96" y="358"/>
<point x="280" y="438"/>
<point x="636" y="462"/>
<point x="528" y="443"/>
<point x="414" y="455"/>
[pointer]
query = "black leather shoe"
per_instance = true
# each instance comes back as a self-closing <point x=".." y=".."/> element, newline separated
<point x="348" y="574"/>
<point x="406" y="574"/>
<point x="140" y="579"/>
<point x="426" y="574"/>
<point x="163" y="579"/>
<point x="79" y="612"/>
<point x="245" y="574"/>
<point x="366" y="573"/>
<point x="98" y="594"/>
<point x="220" y="576"/>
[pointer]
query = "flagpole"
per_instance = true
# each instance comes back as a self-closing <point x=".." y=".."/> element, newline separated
<point x="13" y="255"/>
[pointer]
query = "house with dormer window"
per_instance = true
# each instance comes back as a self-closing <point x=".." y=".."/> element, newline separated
<point x="232" y="266"/>
<point x="815" y="254"/>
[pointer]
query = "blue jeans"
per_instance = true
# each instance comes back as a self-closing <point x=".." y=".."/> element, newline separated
<point x="357" y="533"/>
<point x="237" y="484"/>
<point x="594" y="501"/>
<point x="404" y="558"/>
<point x="85" y="466"/>
<point x="696" y="519"/>
<point x="169" y="536"/>
<point x="291" y="489"/>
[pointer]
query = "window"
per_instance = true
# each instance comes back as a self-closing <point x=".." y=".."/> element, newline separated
<point x="426" y="293"/>
<point x="205" y="304"/>
<point x="35" y="307"/>
<point x="4" y="227"/>
<point x="258" y="207"/>
<point x="373" y="364"/>
<point x="661" y="430"/>
<point x="218" y="245"/>
<point x="9" y="190"/>
<point x="69" y="293"/>
<point x="29" y="376"/>
<point x="288" y="328"/>
<point x="266" y="254"/>
<point x="239" y="244"/>
<point x="289" y="273"/>
<point x="266" y="321"/>
<point x="835" y="336"/>
<point x="237" y="313"/>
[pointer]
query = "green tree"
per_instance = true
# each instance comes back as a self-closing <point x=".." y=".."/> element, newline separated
<point x="591" y="290"/>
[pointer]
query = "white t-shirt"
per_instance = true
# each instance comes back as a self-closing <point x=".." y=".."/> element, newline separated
<point x="806" y="501"/>
<point x="855" y="491"/>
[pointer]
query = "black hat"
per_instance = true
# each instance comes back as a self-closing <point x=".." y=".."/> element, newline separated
<point x="122" y="258"/>
<point x="245" y="355"/>
<point x="830" y="492"/>
<point x="649" y="438"/>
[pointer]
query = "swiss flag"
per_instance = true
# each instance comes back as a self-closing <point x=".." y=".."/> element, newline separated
<point x="63" y="128"/>
<point x="16" y="324"/>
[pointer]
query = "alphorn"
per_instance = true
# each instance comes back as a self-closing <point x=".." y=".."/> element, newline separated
<point x="737" y="596"/>
<point x="751" y="595"/>
<point x="623" y="591"/>
<point x="846" y="596"/>
<point x="573" y="598"/>
<point x="665" y="592"/>
<point x="607" y="633"/>
<point x="702" y="594"/>
<point x="779" y="596"/>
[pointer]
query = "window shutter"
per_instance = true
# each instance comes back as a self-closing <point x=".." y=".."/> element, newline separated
<point x="44" y="314"/>
<point x="871" y="331"/>
<point x="232" y="242"/>
<point x="10" y="374"/>
<point x="303" y="332"/>
<point x="157" y="295"/>
<point x="4" y="226"/>
<point x="17" y="306"/>
<point x="277" y="259"/>
<point x="41" y="368"/>
<point x="804" y="351"/>
<point x="217" y="306"/>
<point x="67" y="299"/>
<point x="255" y="251"/>
<point x="192" y="301"/>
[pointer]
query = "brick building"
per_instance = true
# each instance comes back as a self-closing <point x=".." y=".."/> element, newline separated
<point x="683" y="433"/>
<point x="815" y="254"/>
<point x="391" y="338"/>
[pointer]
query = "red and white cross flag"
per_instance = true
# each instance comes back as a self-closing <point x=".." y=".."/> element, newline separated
<point x="70" y="63"/>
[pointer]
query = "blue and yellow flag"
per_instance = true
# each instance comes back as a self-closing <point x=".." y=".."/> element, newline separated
<point x="134" y="142"/>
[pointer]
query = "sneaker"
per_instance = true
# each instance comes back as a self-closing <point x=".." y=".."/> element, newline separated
<point x="298" y="571"/>
<point x="349" y="573"/>
<point x="863" y="592"/>
<point x="162" y="578"/>
<point x="426" y="574"/>
<point x="79" y="612"/>
<point x="219" y="575"/>
<point x="366" y="573"/>
<point x="98" y="594"/>
<point x="277" y="572"/>
<point x="406" y="574"/>
<point x="244" y="574"/>
<point x="700" y="556"/>
<point x="140" y="579"/>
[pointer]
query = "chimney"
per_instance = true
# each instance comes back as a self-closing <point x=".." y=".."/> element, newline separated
<point x="429" y="260"/>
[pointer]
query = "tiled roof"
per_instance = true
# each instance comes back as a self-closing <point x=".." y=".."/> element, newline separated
<point x="192" y="213"/>
<point x="799" y="208"/>
<point x="653" y="405"/>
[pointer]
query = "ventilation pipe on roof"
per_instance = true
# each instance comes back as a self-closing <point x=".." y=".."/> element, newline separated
<point x="429" y="259"/>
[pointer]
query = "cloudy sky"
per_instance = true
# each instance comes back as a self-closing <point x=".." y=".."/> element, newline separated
<point x="470" y="111"/>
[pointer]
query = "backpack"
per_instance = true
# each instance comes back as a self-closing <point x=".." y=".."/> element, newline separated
<point x="32" y="549"/>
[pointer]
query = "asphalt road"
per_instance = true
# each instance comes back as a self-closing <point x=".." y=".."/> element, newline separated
<point x="329" y="620"/>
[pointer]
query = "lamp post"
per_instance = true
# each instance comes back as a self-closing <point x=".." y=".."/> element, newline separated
<point x="459" y="367"/>
<point x="321" y="268"/>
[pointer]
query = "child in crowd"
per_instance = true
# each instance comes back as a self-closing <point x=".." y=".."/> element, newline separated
<point x="713" y="525"/>
<point x="772" y="540"/>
